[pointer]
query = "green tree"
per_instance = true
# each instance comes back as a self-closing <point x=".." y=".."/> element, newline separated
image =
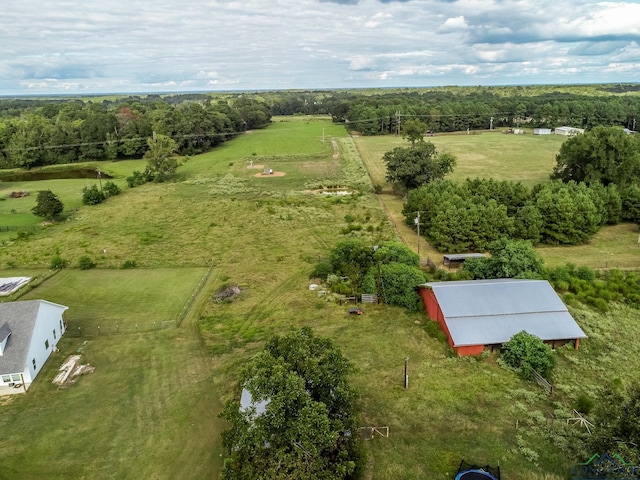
<point x="509" y="259"/>
<point x="395" y="252"/>
<point x="413" y="130"/>
<point x="526" y="352"/>
<point x="307" y="429"/>
<point x="409" y="168"/>
<point x="396" y="283"/>
<point x="48" y="205"/>
<point x="569" y="212"/>
<point x="616" y="419"/>
<point x="351" y="258"/>
<point x="603" y="155"/>
<point x="161" y="160"/>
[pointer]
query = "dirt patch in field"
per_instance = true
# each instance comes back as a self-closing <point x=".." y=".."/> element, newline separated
<point x="272" y="174"/>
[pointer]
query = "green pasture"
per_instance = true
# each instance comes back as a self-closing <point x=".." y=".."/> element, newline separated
<point x="120" y="300"/>
<point x="149" y="410"/>
<point x="526" y="158"/>
<point x="487" y="154"/>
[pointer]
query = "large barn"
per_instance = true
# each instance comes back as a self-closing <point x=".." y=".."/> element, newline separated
<point x="485" y="313"/>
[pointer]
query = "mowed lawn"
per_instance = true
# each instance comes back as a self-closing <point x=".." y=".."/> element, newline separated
<point x="522" y="158"/>
<point x="120" y="300"/>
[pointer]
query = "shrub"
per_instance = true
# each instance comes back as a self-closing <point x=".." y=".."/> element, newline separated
<point x="322" y="270"/>
<point x="584" y="404"/>
<point x="137" y="178"/>
<point x="129" y="264"/>
<point x="58" y="263"/>
<point x="111" y="189"/>
<point x="85" y="263"/>
<point x="525" y="353"/>
<point x="92" y="195"/>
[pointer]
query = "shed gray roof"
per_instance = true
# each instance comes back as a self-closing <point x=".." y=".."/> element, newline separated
<point x="20" y="318"/>
<point x="456" y="257"/>
<point x="492" y="311"/>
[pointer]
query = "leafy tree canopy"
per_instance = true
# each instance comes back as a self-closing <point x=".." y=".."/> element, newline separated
<point x="396" y="284"/>
<point x="509" y="259"/>
<point x="48" y="205"/>
<point x="161" y="160"/>
<point x="526" y="352"/>
<point x="602" y="155"/>
<point x="409" y="168"/>
<point x="616" y="422"/>
<point x="414" y="130"/>
<point x="308" y="427"/>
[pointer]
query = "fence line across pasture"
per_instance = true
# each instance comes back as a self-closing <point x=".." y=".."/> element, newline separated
<point x="75" y="330"/>
<point x="18" y="228"/>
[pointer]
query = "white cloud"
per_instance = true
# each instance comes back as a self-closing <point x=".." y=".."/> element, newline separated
<point x="65" y="45"/>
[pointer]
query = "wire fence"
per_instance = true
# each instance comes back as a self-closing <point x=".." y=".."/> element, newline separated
<point x="18" y="228"/>
<point x="79" y="329"/>
<point x="75" y="330"/>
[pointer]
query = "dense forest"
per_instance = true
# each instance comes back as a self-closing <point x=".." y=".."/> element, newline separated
<point x="50" y="130"/>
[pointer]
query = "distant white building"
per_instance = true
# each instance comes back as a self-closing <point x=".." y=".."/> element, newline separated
<point x="29" y="333"/>
<point x="569" y="131"/>
<point x="542" y="131"/>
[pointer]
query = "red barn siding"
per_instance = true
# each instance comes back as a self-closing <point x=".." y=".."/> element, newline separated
<point x="434" y="312"/>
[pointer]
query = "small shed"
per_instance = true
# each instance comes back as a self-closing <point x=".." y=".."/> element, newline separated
<point x="479" y="313"/>
<point x="542" y="131"/>
<point x="457" y="258"/>
<point x="568" y="131"/>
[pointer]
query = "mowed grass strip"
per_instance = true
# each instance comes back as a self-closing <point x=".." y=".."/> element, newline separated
<point x="147" y="411"/>
<point x="521" y="158"/>
<point x="119" y="299"/>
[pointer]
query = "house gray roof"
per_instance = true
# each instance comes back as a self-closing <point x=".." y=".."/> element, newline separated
<point x="20" y="318"/>
<point x="492" y="311"/>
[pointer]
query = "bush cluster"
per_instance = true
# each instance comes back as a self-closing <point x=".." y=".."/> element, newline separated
<point x="391" y="270"/>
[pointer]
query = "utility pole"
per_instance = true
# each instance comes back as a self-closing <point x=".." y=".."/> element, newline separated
<point x="398" y="115"/>
<point x="406" y="372"/>
<point x="417" y="222"/>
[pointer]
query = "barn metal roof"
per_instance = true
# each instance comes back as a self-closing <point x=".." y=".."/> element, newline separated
<point x="492" y="311"/>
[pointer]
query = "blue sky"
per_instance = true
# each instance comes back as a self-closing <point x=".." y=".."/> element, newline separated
<point x="85" y="46"/>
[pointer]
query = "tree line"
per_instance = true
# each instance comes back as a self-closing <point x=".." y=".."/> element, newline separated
<point x="37" y="133"/>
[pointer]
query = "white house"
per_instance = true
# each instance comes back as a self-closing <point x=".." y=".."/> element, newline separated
<point x="568" y="131"/>
<point x="542" y="131"/>
<point x="29" y="333"/>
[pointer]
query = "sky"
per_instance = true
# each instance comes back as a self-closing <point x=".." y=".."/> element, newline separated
<point x="134" y="46"/>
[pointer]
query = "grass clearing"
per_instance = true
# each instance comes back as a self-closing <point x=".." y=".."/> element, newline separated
<point x="121" y="300"/>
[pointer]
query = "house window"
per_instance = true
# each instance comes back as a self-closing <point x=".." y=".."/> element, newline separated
<point x="34" y="363"/>
<point x="60" y="325"/>
<point x="54" y="334"/>
<point x="46" y="344"/>
<point x="16" y="377"/>
<point x="6" y="378"/>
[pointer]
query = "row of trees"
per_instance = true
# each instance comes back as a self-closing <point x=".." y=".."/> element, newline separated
<point x="469" y="216"/>
<point x="447" y="111"/>
<point x="73" y="131"/>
